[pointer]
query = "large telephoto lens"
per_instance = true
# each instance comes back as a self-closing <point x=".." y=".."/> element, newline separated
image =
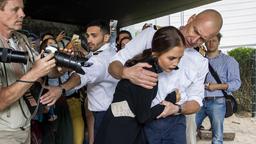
<point x="8" y="55"/>
<point x="73" y="62"/>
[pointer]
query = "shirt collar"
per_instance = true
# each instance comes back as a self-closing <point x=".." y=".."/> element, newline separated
<point x="154" y="63"/>
<point x="102" y="48"/>
<point x="220" y="54"/>
<point x="105" y="46"/>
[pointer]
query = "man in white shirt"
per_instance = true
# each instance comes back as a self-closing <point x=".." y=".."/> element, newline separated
<point x="198" y="30"/>
<point x="100" y="85"/>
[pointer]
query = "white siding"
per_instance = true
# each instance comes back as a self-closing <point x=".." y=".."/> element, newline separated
<point x="239" y="26"/>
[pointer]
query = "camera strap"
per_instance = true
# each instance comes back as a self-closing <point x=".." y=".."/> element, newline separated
<point x="216" y="77"/>
<point x="7" y="84"/>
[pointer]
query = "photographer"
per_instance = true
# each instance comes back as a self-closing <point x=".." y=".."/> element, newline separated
<point x="17" y="78"/>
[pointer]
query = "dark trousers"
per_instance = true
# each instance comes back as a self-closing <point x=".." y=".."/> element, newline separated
<point x="169" y="130"/>
<point x="98" y="117"/>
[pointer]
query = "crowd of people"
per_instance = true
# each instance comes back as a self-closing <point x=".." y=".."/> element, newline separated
<point x="154" y="88"/>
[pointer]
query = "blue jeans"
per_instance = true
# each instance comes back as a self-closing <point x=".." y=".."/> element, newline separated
<point x="98" y="117"/>
<point x="215" y="109"/>
<point x="169" y="130"/>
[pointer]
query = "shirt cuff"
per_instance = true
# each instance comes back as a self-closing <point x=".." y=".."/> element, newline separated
<point x="197" y="99"/>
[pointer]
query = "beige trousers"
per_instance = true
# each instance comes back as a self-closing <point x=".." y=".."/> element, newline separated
<point x="191" y="128"/>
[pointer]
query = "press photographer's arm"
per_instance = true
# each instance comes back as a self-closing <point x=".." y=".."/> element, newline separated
<point x="12" y="93"/>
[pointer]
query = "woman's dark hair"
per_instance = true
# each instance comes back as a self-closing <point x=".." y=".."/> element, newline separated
<point x="119" y="46"/>
<point x="45" y="34"/>
<point x="163" y="40"/>
<point x="123" y="32"/>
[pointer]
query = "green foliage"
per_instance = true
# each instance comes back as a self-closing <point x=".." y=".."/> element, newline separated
<point x="243" y="56"/>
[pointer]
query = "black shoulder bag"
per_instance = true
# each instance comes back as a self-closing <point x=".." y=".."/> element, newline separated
<point x="231" y="103"/>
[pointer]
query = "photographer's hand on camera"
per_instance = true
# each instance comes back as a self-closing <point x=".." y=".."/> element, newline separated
<point x="42" y="66"/>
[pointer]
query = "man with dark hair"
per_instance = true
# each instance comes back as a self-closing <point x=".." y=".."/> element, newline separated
<point x="214" y="106"/>
<point x="17" y="78"/>
<point x="100" y="85"/>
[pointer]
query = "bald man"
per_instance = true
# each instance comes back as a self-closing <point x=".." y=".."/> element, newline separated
<point x="199" y="29"/>
<point x="206" y="25"/>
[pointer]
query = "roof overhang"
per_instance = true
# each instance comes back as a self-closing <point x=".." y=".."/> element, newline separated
<point x="80" y="12"/>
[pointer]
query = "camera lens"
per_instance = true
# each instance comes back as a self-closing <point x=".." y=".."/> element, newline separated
<point x="8" y="55"/>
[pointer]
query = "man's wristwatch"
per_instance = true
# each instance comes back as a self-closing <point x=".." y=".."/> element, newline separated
<point x="180" y="109"/>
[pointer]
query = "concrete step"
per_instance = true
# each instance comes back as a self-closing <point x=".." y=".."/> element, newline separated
<point x="207" y="135"/>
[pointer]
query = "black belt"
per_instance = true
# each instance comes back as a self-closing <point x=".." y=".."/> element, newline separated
<point x="213" y="97"/>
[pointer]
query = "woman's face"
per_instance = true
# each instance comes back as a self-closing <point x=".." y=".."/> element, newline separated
<point x="170" y="59"/>
<point x="51" y="42"/>
<point x="124" y="42"/>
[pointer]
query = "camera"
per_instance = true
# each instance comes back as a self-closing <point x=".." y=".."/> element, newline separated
<point x="69" y="61"/>
<point x="8" y="55"/>
<point x="76" y="63"/>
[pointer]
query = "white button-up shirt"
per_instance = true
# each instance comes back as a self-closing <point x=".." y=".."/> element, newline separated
<point x="100" y="84"/>
<point x="189" y="79"/>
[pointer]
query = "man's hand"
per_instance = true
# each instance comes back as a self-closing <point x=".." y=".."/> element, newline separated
<point x="42" y="66"/>
<point x="140" y="76"/>
<point x="216" y="86"/>
<point x="60" y="36"/>
<point x="50" y="97"/>
<point x="169" y="109"/>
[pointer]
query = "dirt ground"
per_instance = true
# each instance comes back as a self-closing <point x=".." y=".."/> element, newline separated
<point x="243" y="125"/>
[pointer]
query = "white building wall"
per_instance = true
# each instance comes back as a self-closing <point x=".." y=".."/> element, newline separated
<point x="239" y="26"/>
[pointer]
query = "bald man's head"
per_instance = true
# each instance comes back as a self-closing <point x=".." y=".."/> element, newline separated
<point x="202" y="27"/>
<point x="213" y="17"/>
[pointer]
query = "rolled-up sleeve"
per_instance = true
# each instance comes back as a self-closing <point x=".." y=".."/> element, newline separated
<point x="94" y="73"/>
<point x="196" y="90"/>
<point x="136" y="46"/>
